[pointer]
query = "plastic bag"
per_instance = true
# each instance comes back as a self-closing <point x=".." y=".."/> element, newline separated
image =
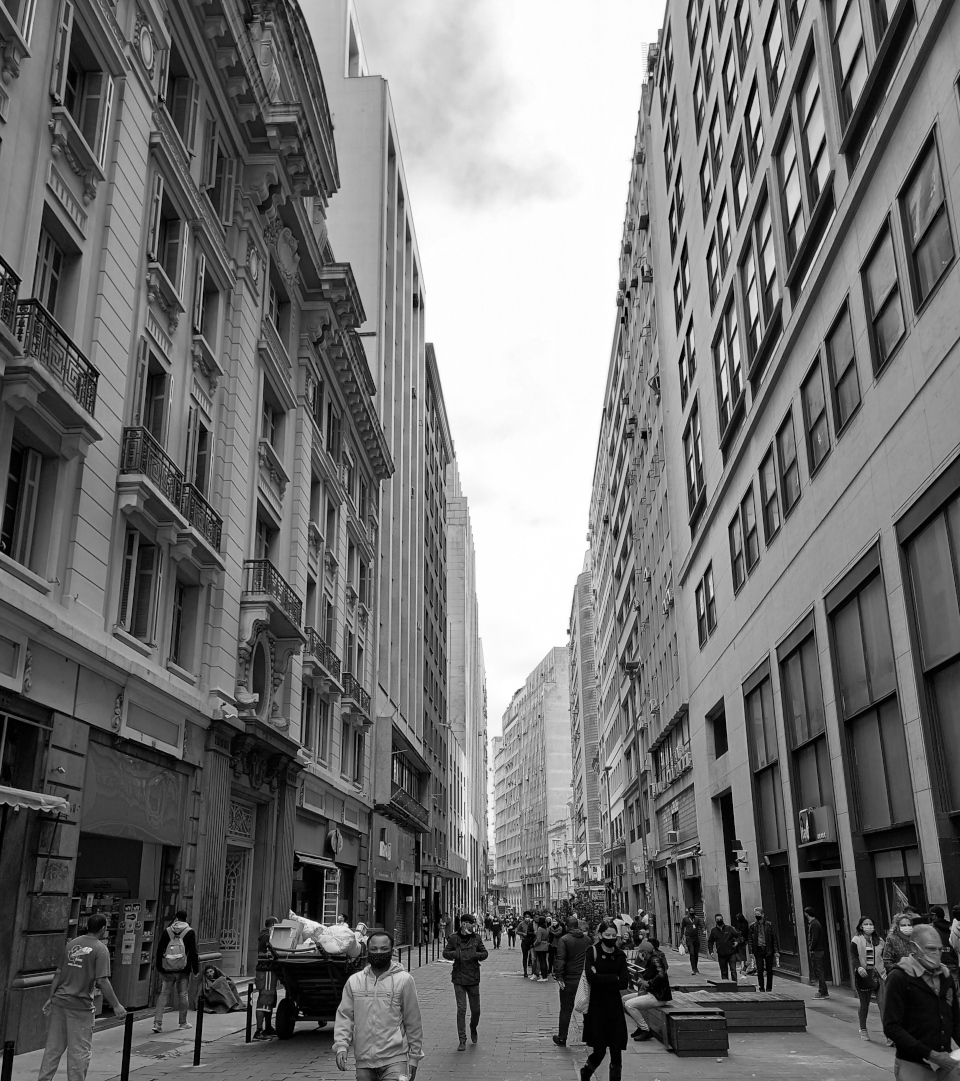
<point x="681" y="949"/>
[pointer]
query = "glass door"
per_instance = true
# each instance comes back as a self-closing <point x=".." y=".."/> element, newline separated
<point x="236" y="905"/>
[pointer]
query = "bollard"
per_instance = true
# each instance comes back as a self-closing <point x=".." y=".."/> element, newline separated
<point x="249" y="1035"/>
<point x="127" y="1043"/>
<point x="9" y="1050"/>
<point x="197" y="1038"/>
<point x="409" y="948"/>
<point x="420" y="954"/>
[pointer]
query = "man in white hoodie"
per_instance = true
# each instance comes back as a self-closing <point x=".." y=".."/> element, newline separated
<point x="379" y="1014"/>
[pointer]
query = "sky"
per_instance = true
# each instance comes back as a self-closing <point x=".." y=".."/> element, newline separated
<point x="517" y="121"/>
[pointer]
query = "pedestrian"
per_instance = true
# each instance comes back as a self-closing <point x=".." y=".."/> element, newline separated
<point x="466" y="950"/>
<point x="541" y="950"/>
<point x="379" y="1015"/>
<point x="512" y="930"/>
<point x="604" y="1023"/>
<point x="83" y="973"/>
<point x="557" y="930"/>
<point x="637" y="930"/>
<point x="690" y="934"/>
<point x="921" y="1013"/>
<point x="528" y="935"/>
<point x="938" y="921"/>
<point x="425" y="927"/>
<point x="866" y="953"/>
<point x="724" y="939"/>
<point x="899" y="941"/>
<point x="265" y="981"/>
<point x="177" y="961"/>
<point x="446" y="925"/>
<point x="487" y="926"/>
<point x="816" y="945"/>
<point x="496" y="929"/>
<point x="653" y="987"/>
<point x="766" y="952"/>
<point x="567" y="970"/>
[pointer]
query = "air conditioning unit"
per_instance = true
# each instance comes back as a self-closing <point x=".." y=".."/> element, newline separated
<point x="621" y="868"/>
<point x="673" y="837"/>
<point x="628" y="246"/>
<point x="646" y="273"/>
<point x="621" y="300"/>
<point x="625" y="398"/>
<point x="643" y="221"/>
<point x="622" y="285"/>
<point x="640" y="158"/>
<point x="646" y="574"/>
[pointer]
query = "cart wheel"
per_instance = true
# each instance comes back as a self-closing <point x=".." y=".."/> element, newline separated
<point x="287" y="1013"/>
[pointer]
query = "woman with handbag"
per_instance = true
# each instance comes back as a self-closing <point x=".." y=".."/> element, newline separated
<point x="604" y="1023"/>
<point x="541" y="950"/>
<point x="869" y="969"/>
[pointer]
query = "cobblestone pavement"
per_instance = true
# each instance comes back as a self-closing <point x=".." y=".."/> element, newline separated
<point x="518" y="1019"/>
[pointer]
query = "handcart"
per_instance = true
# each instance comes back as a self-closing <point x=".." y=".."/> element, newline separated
<point x="313" y="982"/>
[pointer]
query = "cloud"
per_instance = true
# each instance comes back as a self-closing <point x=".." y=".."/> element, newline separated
<point x="455" y="101"/>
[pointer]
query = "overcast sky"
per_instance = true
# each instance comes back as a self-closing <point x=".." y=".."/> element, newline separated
<point x="517" y="121"/>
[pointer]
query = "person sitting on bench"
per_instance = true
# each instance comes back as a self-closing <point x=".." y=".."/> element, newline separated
<point x="653" y="985"/>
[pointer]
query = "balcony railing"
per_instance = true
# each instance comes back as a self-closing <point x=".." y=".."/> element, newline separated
<point x="9" y="289"/>
<point x="352" y="689"/>
<point x="43" y="339"/>
<point x="324" y="654"/>
<point x="261" y="576"/>
<point x="141" y="453"/>
<point x="410" y="806"/>
<point x="201" y="515"/>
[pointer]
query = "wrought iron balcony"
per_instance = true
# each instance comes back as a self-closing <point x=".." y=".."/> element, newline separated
<point x="261" y="576"/>
<point x="9" y="288"/>
<point x="316" y="647"/>
<point x="411" y="808"/>
<point x="141" y="453"/>
<point x="44" y="340"/>
<point x="203" y="518"/>
<point x="352" y="690"/>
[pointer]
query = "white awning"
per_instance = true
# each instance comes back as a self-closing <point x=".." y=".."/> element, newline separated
<point x="315" y="861"/>
<point x="36" y="801"/>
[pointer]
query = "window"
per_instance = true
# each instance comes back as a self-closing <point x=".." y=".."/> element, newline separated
<point x="813" y="132"/>
<point x="795" y="9"/>
<point x="730" y="83"/>
<point x="721" y="13"/>
<point x="769" y="500"/>
<point x="271" y="421"/>
<point x="805" y="726"/>
<point x="668" y="156"/>
<point x="882" y="10"/>
<point x="706" y="186"/>
<point x="139" y="587"/>
<point x="81" y="85"/>
<point x="346" y="748"/>
<point x="18" y="525"/>
<point x="744" y="29"/>
<point x="754" y="127"/>
<point x="316" y="402"/>
<point x="713" y="271"/>
<point x="181" y="95"/>
<point x="699" y="104"/>
<point x="691" y="351"/>
<point x="751" y="539"/>
<point x="716" y="141"/>
<point x="167" y="237"/>
<point x="728" y="367"/>
<point x="359" y="743"/>
<point x="678" y="191"/>
<point x="206" y="303"/>
<point x="844" y="380"/>
<point x="183" y="628"/>
<point x="693" y="24"/>
<point x="218" y="174"/>
<point x="876" y="746"/>
<point x="668" y="55"/>
<point x="678" y="300"/>
<point x="264" y="539"/>
<point x="151" y="396"/>
<point x="774" y="54"/>
<point x="737" y="562"/>
<point x="693" y="457"/>
<point x="681" y="286"/>
<point x="333" y="431"/>
<point x="764" y="761"/>
<point x="789" y="466"/>
<point x="850" y="57"/>
<point x="926" y="225"/>
<point x="741" y="185"/>
<point x="723" y="233"/>
<point x="688" y="364"/>
<point x="673" y="225"/>
<point x="199" y="451"/>
<point x="751" y="300"/>
<point x="816" y="428"/>
<point x="882" y="292"/>
<point x="675" y="122"/>
<point x="701" y="604"/>
<point x="718" y="728"/>
<point x="793" y="218"/>
<point x="48" y="278"/>
<point x="709" y="61"/>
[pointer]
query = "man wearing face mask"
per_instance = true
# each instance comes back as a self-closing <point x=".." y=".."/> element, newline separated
<point x="466" y="951"/>
<point x="725" y="940"/>
<point x="379" y="1014"/>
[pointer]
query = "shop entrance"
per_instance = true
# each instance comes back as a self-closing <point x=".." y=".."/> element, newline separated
<point x="236" y="908"/>
<point x="825" y="897"/>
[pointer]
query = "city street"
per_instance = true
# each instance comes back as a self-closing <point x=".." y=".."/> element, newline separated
<point x="518" y="1018"/>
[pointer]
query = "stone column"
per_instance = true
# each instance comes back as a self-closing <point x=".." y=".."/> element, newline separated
<point x="212" y="789"/>
<point x="283" y="855"/>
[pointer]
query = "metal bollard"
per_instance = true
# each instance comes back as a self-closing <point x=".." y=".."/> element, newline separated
<point x="127" y="1043"/>
<point x="9" y="1050"/>
<point x="199" y="1035"/>
<point x="420" y="954"/>
<point x="249" y="1033"/>
<point x="409" y="948"/>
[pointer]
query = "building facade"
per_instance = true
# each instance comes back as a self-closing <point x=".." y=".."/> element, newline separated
<point x="191" y="455"/>
<point x="804" y="157"/>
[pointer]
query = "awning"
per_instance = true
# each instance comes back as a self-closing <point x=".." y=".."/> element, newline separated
<point x="315" y="861"/>
<point x="36" y="801"/>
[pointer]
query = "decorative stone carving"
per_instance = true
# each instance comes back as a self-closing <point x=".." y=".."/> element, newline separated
<point x="27" y="671"/>
<point x="117" y="718"/>
<point x="89" y="171"/>
<point x="247" y="701"/>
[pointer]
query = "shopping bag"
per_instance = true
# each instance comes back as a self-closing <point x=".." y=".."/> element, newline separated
<point x="582" y="1001"/>
<point x="682" y="949"/>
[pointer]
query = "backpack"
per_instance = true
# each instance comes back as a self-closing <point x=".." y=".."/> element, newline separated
<point x="175" y="955"/>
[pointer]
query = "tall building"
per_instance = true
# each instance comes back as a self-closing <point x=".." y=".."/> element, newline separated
<point x="191" y="455"/>
<point x="802" y="156"/>
<point x="532" y="780"/>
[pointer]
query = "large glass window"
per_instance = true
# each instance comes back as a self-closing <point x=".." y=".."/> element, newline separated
<point x="706" y="185"/>
<point x="805" y="726"/>
<point x="728" y="366"/>
<point x="844" y="380"/>
<point x="764" y="762"/>
<point x="769" y="500"/>
<point x="716" y="141"/>
<point x="693" y="457"/>
<point x="699" y="102"/>
<point x="849" y="54"/>
<point x="709" y="63"/>
<point x="815" y="425"/>
<point x="926" y="224"/>
<point x="788" y="465"/>
<point x="730" y="82"/>
<point x="774" y="54"/>
<point x="884" y="308"/>
<point x="753" y="120"/>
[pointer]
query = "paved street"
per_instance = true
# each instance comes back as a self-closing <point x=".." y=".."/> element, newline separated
<point x="518" y="1018"/>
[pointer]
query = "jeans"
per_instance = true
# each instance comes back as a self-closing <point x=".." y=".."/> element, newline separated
<point x="511" y="938"/>
<point x="525" y="955"/>
<point x="728" y="965"/>
<point x="568" y="994"/>
<point x="172" y="983"/>
<point x="865" y="998"/>
<point x="496" y="940"/>
<point x="472" y="992"/>
<point x="393" y="1071"/>
<point x="70" y="1031"/>
<point x="816" y="971"/>
<point x="633" y="1007"/>
<point x="543" y="961"/>
<point x="693" y="948"/>
<point x="616" y="1059"/>
<point x="917" y="1071"/>
<point x="764" y="965"/>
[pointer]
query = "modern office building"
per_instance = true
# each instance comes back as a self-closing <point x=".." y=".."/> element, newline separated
<point x="191" y="456"/>
<point x="804" y="157"/>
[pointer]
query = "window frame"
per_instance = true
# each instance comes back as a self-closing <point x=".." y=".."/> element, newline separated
<point x="885" y="234"/>
<point x="731" y="93"/>
<point x="725" y="370"/>
<point x="814" y="462"/>
<point x="774" y="86"/>
<point x="755" y="140"/>
<point x="749" y="531"/>
<point x="787" y="466"/>
<point x="715" y="140"/>
<point x="840" y="424"/>
<point x="706" y="184"/>
<point x="930" y="146"/>
<point x="769" y="499"/>
<point x="738" y="562"/>
<point x="693" y="458"/>
<point x="744" y="39"/>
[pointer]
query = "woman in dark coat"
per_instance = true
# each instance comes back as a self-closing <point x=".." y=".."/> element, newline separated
<point x="605" y="1024"/>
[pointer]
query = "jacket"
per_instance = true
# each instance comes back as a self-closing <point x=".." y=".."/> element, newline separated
<point x="915" y="1017"/>
<point x="604" y="1024"/>
<point x="466" y="955"/>
<point x="542" y="941"/>
<point x="724" y="939"/>
<point x="816" y="940"/>
<point x="655" y="977"/>
<point x="690" y="927"/>
<point x="189" y="944"/>
<point x="380" y="1015"/>
<point x="571" y="948"/>
<point x="772" y="945"/>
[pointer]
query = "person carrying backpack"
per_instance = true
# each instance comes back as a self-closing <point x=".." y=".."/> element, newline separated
<point x="177" y="961"/>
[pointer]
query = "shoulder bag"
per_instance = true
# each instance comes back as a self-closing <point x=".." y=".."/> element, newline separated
<point x="581" y="1002"/>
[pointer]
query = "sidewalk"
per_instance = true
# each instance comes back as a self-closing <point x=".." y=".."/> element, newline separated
<point x="518" y="1018"/>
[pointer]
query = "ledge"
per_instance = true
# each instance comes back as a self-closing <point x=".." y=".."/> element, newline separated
<point x="160" y="291"/>
<point x="18" y="570"/>
<point x="68" y="141"/>
<point x="134" y="643"/>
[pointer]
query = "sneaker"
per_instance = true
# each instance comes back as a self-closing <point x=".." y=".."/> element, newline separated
<point x="818" y="995"/>
<point x="644" y="1034"/>
<point x="260" y="1036"/>
<point x="558" y="1041"/>
<point x="157" y="1028"/>
<point x="864" y="1035"/>
<point x="541" y="979"/>
<point x="463" y="1045"/>
<point x="186" y="1024"/>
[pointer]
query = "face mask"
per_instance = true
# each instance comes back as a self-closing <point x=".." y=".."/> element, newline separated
<point x="379" y="959"/>
<point x="906" y="930"/>
<point x="610" y="940"/>
<point x="868" y="929"/>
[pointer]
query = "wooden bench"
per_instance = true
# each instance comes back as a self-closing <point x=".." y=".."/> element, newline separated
<point x="727" y="987"/>
<point x="689" y="1032"/>
<point x="754" y="1011"/>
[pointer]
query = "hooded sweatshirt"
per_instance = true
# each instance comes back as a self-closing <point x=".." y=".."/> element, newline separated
<point x="179" y="927"/>
<point x="379" y="1014"/>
